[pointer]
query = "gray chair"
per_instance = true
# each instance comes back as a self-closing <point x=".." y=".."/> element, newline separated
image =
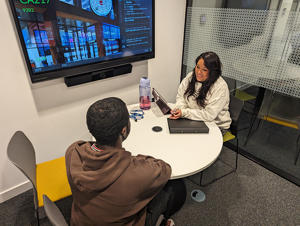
<point x="235" y="108"/>
<point x="53" y="213"/>
<point x="57" y="219"/>
<point x="43" y="176"/>
<point x="279" y="109"/>
<point x="21" y="153"/>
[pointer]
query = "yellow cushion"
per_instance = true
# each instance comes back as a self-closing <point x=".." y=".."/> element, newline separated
<point x="242" y="95"/>
<point x="228" y="136"/>
<point x="51" y="179"/>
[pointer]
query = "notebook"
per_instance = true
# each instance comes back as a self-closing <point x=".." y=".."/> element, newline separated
<point x="161" y="103"/>
<point x="183" y="125"/>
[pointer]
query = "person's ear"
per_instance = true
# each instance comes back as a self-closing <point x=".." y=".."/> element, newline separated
<point x="124" y="133"/>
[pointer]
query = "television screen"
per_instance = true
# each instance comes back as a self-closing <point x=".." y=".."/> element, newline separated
<point x="72" y="37"/>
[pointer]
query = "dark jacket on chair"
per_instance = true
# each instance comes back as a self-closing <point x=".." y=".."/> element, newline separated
<point x="111" y="187"/>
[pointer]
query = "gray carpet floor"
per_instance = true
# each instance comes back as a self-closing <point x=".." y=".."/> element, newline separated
<point x="251" y="196"/>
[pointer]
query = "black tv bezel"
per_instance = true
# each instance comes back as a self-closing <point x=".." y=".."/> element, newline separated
<point x="80" y="69"/>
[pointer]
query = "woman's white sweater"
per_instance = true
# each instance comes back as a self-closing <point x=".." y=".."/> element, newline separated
<point x="217" y="103"/>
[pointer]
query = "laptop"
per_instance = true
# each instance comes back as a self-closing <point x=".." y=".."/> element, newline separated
<point x="161" y="103"/>
<point x="183" y="125"/>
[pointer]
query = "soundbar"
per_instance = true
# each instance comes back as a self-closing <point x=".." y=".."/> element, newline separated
<point x="97" y="75"/>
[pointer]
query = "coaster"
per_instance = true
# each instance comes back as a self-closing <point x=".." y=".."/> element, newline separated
<point x="198" y="195"/>
<point x="156" y="128"/>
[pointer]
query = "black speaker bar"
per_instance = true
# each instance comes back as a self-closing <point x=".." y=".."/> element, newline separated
<point x="97" y="75"/>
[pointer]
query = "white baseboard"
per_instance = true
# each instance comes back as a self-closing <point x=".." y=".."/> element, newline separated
<point x="14" y="191"/>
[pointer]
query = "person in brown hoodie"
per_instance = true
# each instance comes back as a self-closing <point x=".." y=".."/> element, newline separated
<point x="109" y="185"/>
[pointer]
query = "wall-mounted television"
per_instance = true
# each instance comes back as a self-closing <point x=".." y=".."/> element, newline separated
<point x="63" y="38"/>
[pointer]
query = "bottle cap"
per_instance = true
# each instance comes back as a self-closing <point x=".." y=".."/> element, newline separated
<point x="145" y="81"/>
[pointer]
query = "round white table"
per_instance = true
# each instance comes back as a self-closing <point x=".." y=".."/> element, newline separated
<point x="187" y="154"/>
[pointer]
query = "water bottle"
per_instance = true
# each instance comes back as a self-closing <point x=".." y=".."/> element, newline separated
<point x="145" y="93"/>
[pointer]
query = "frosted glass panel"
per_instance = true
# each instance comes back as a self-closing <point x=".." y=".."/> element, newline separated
<point x="259" y="47"/>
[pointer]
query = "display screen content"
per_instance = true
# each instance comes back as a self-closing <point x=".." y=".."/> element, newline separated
<point x="69" y="37"/>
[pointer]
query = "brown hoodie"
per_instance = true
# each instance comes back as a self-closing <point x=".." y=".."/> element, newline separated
<point x="112" y="187"/>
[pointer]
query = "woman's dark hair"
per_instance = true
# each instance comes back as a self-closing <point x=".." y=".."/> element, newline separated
<point x="213" y="64"/>
<point x="105" y="120"/>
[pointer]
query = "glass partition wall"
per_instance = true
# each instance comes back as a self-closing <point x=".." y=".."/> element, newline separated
<point x="258" y="42"/>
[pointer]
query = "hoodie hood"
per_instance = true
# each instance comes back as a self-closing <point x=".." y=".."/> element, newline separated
<point x="95" y="171"/>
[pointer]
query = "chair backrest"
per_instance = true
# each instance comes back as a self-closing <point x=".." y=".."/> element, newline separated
<point x="231" y="83"/>
<point x="20" y="152"/>
<point x="235" y="109"/>
<point x="53" y="213"/>
<point x="284" y="109"/>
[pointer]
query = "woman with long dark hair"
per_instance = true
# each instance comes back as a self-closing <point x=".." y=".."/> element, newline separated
<point x="203" y="94"/>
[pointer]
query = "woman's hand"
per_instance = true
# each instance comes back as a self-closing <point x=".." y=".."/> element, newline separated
<point x="175" y="114"/>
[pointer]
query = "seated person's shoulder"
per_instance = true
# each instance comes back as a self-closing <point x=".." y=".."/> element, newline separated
<point x="222" y="81"/>
<point x="221" y="84"/>
<point x="189" y="76"/>
<point x="74" y="146"/>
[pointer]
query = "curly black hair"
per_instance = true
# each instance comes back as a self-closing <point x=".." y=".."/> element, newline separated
<point x="105" y="120"/>
<point x="213" y="64"/>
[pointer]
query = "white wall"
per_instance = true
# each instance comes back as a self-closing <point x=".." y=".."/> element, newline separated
<point x="164" y="70"/>
<point x="52" y="115"/>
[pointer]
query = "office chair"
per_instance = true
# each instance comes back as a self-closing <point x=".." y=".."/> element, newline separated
<point x="57" y="219"/>
<point x="53" y="213"/>
<point x="244" y="96"/>
<point x="48" y="178"/>
<point x="279" y="109"/>
<point x="235" y="107"/>
<point x="238" y="93"/>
